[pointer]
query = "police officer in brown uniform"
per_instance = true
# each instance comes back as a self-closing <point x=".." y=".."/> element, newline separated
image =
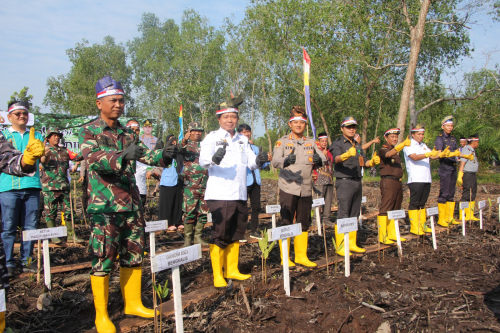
<point x="296" y="155"/>
<point x="391" y="189"/>
<point x="349" y="160"/>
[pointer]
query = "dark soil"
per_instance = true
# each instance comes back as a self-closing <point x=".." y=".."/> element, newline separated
<point x="455" y="288"/>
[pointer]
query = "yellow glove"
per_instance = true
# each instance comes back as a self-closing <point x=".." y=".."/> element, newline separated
<point x="34" y="150"/>
<point x="460" y="178"/>
<point x="469" y="157"/>
<point x="445" y="153"/>
<point x="456" y="153"/>
<point x="351" y="152"/>
<point x="405" y="143"/>
<point x="375" y="160"/>
<point x="432" y="153"/>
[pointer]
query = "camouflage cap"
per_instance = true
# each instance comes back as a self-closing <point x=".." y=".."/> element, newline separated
<point x="195" y="126"/>
<point x="448" y="120"/>
<point x="53" y="130"/>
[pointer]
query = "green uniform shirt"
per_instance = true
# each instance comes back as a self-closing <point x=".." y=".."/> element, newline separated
<point x="195" y="177"/>
<point x="111" y="182"/>
<point x="54" y="175"/>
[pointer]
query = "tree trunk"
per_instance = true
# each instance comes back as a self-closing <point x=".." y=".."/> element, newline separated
<point x="413" y="110"/>
<point x="416" y="36"/>
<point x="366" y="113"/>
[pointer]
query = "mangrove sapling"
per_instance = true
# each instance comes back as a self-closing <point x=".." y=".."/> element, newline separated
<point x="265" y="248"/>
<point x="160" y="292"/>
<point x="337" y="249"/>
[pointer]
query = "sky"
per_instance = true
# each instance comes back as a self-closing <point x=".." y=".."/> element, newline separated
<point x="34" y="35"/>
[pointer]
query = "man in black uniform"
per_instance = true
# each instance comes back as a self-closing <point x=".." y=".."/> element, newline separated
<point x="447" y="144"/>
<point x="349" y="160"/>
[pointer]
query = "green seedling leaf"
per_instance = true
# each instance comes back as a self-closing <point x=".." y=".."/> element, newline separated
<point x="337" y="248"/>
<point x="264" y="245"/>
<point x="162" y="291"/>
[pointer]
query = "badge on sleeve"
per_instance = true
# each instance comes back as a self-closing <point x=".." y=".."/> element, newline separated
<point x="278" y="144"/>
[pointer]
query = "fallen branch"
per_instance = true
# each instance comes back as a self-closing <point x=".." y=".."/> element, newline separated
<point x="374" y="307"/>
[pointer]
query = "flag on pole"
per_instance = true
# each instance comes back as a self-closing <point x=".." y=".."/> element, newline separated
<point x="307" y="65"/>
<point x="181" y="127"/>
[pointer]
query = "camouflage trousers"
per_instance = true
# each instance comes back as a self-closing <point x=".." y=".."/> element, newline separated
<point x="116" y="234"/>
<point x="194" y="207"/>
<point x="51" y="202"/>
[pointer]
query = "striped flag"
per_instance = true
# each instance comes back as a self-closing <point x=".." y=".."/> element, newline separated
<point x="181" y="127"/>
<point x="307" y="66"/>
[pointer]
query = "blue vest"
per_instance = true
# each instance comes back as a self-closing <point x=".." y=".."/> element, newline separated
<point x="8" y="182"/>
<point x="256" y="172"/>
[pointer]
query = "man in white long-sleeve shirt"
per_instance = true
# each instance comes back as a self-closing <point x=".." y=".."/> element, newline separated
<point x="227" y="155"/>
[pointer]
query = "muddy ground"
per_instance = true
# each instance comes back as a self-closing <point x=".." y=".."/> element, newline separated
<point x="455" y="288"/>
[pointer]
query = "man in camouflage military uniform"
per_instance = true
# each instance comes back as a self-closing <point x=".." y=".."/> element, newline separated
<point x="55" y="184"/>
<point x="195" y="182"/>
<point x="15" y="163"/>
<point x="111" y="150"/>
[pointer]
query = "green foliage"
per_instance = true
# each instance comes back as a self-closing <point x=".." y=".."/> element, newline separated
<point x="74" y="92"/>
<point x="265" y="246"/>
<point x="23" y="96"/>
<point x="178" y="64"/>
<point x="162" y="291"/>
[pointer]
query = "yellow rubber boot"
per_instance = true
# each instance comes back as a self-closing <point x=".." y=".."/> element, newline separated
<point x="300" y="248"/>
<point x="470" y="210"/>
<point x="290" y="263"/>
<point x="423" y="220"/>
<point x="100" y="290"/>
<point x="451" y="210"/>
<point x="2" y="321"/>
<point x="391" y="231"/>
<point x="443" y="215"/>
<point x="217" y="258"/>
<point x="382" y="230"/>
<point x="415" y="226"/>
<point x="352" y="243"/>
<point x="130" y="284"/>
<point x="231" y="254"/>
<point x="339" y="242"/>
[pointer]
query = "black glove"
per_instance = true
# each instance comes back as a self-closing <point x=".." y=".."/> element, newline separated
<point x="290" y="159"/>
<point x="133" y="152"/>
<point x="219" y="155"/>
<point x="317" y="160"/>
<point x="169" y="151"/>
<point x="261" y="159"/>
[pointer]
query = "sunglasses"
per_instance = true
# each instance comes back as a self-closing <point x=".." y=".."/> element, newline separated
<point x="19" y="114"/>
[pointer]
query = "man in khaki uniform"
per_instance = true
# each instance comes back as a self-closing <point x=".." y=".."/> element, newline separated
<point x="296" y="155"/>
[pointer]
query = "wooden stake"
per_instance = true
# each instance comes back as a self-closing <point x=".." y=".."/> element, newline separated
<point x="326" y="249"/>
<point x="398" y="240"/>
<point x="176" y="286"/>
<point x="39" y="261"/>
<point x="347" y="258"/>
<point x="433" y="233"/>
<point x="286" y="271"/>
<point x="318" y="219"/>
<point x="46" y="264"/>
<point x="481" y="219"/>
<point x="72" y="219"/>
